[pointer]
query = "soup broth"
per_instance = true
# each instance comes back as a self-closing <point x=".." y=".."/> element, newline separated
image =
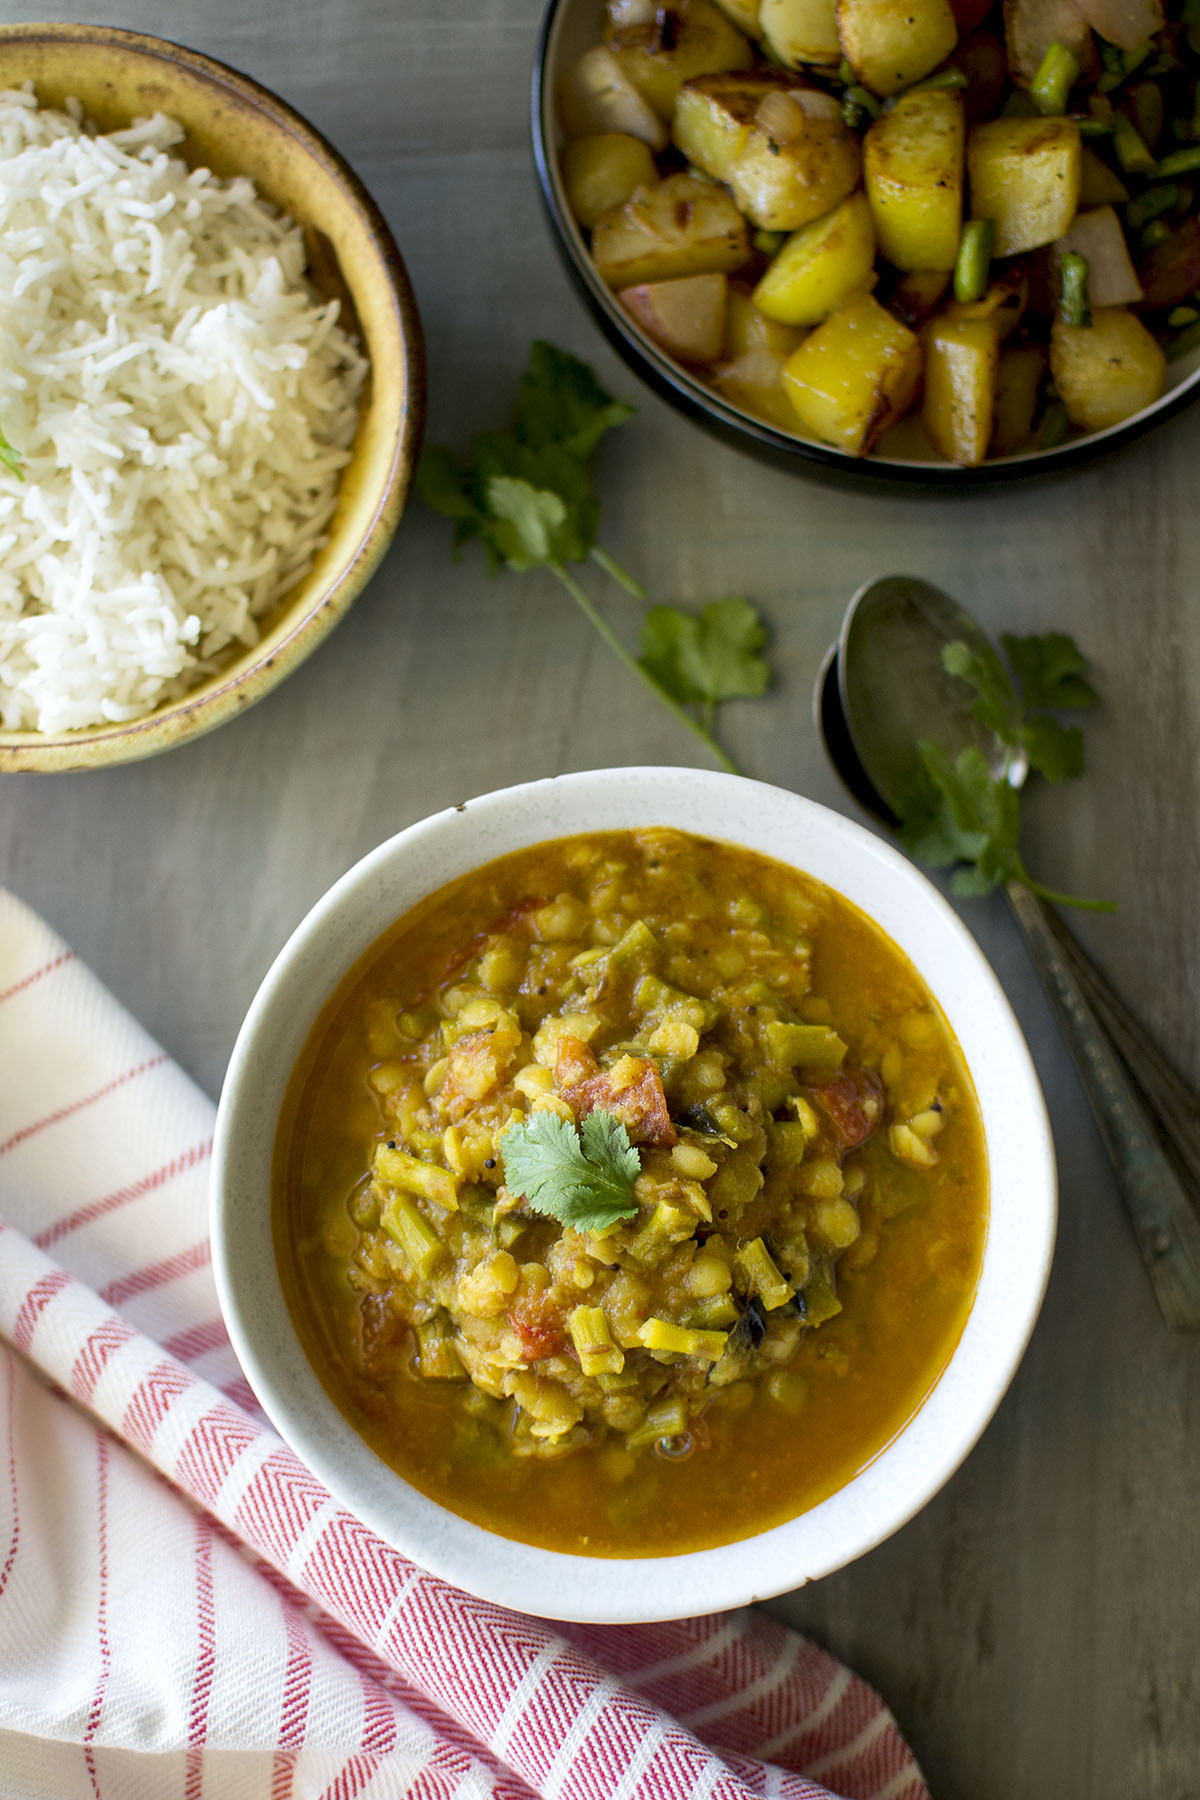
<point x="761" y="1103"/>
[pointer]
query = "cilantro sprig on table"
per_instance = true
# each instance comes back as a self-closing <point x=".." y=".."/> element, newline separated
<point x="10" y="458"/>
<point x="526" y="495"/>
<point x="583" y="1177"/>
<point x="966" y="809"/>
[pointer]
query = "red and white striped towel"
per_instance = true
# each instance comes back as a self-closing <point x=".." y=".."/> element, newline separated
<point x="186" y="1614"/>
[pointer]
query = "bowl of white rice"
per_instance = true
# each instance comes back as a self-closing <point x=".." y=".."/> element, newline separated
<point x="211" y="393"/>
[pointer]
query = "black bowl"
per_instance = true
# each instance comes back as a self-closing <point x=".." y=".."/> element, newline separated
<point x="568" y="28"/>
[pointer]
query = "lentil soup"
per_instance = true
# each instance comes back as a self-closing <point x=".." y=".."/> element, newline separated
<point x="806" y="1200"/>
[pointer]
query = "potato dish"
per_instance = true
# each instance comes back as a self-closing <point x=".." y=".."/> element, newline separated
<point x="630" y="1194"/>
<point x="843" y="214"/>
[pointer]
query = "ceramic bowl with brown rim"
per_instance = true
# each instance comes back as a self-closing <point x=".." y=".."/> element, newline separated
<point x="235" y="127"/>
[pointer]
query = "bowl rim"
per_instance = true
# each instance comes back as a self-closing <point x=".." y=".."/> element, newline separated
<point x="251" y="676"/>
<point x="907" y="1471"/>
<point x="672" y="382"/>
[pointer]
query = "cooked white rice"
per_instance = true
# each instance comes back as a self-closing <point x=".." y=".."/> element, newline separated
<point x="181" y="402"/>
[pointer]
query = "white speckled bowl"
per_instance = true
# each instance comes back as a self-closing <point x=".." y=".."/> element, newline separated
<point x="1020" y="1157"/>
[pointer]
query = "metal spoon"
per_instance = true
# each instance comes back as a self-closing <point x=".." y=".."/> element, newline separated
<point x="881" y="687"/>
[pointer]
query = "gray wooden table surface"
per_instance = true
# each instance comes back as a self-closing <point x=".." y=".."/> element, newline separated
<point x="1037" y="1627"/>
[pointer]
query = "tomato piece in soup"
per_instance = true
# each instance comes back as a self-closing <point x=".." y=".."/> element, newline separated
<point x="631" y="1090"/>
<point x="852" y="1102"/>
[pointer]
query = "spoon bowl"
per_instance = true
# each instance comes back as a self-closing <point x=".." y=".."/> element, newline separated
<point x="882" y="688"/>
<point x="834" y="733"/>
<point x="891" y="687"/>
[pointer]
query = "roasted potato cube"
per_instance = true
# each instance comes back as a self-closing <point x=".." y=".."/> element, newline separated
<point x="714" y="116"/>
<point x="596" y="96"/>
<point x="603" y="171"/>
<point x="686" y="316"/>
<point x="854" y="375"/>
<point x="1108" y="370"/>
<point x="918" y="293"/>
<point x="1024" y="175"/>
<point x="1018" y="379"/>
<point x="1031" y="26"/>
<point x="820" y="266"/>
<point x="961" y="356"/>
<point x="1098" y="184"/>
<point x="1097" y="236"/>
<point x="781" y="186"/>
<point x="1002" y="306"/>
<point x="1125" y="23"/>
<point x="754" y="381"/>
<point x="913" y="176"/>
<point x="744" y="14"/>
<point x="892" y="43"/>
<point x="782" y="148"/>
<point x="680" y="226"/>
<point x="801" y="31"/>
<point x="683" y="39"/>
<point x="747" y="329"/>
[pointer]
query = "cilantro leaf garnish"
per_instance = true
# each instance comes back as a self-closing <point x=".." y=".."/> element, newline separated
<point x="583" y="1177"/>
<point x="10" y="458"/>
<point x="532" y="525"/>
<point x="983" y="670"/>
<point x="966" y="809"/>
<point x="706" y="657"/>
<point x="1049" y="678"/>
<point x="560" y="402"/>
<point x="526" y="495"/>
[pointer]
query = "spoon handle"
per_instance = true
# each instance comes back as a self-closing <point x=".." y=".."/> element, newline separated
<point x="1164" y="1220"/>
<point x="1173" y="1102"/>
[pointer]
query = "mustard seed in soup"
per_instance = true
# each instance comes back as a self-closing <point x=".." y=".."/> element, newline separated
<point x="756" y="1194"/>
